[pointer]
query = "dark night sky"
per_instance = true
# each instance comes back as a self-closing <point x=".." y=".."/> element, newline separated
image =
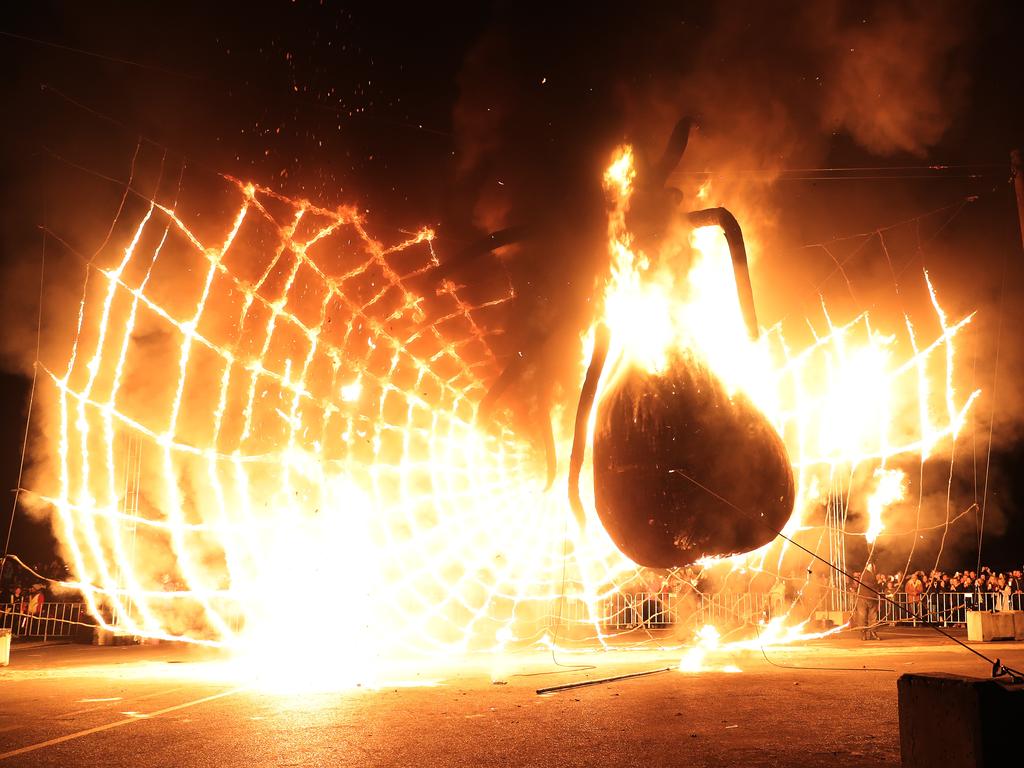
<point x="372" y="104"/>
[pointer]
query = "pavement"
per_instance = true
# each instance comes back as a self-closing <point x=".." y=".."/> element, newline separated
<point x="830" y="702"/>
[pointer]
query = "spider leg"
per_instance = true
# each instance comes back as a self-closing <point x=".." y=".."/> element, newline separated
<point x="722" y="218"/>
<point x="602" y="337"/>
<point x="488" y="244"/>
<point x="673" y="153"/>
<point x="548" y="435"/>
<point x="511" y="373"/>
<point x="485" y="245"/>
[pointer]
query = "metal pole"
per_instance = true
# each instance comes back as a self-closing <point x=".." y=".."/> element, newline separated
<point x="601" y="680"/>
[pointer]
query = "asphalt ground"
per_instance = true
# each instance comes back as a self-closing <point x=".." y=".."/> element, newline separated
<point x="176" y="706"/>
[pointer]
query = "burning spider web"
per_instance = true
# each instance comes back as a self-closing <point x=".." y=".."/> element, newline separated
<point x="287" y="410"/>
<point x="275" y="416"/>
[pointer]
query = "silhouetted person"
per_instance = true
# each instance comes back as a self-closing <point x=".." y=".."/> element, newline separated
<point x="865" y="610"/>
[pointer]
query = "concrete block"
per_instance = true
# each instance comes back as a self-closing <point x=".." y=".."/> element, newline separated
<point x="958" y="722"/>
<point x="985" y="626"/>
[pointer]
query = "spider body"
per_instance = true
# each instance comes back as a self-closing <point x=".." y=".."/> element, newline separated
<point x="683" y="470"/>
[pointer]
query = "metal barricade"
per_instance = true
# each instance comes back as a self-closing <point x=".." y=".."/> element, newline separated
<point x="653" y="610"/>
<point x="732" y="608"/>
<point x="51" y="621"/>
<point x="944" y="608"/>
<point x="624" y="611"/>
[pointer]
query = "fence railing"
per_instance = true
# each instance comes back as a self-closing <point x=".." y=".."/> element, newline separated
<point x="944" y="607"/>
<point x="619" y="612"/>
<point x="51" y="620"/>
<point x="648" y="610"/>
<point x="625" y="611"/>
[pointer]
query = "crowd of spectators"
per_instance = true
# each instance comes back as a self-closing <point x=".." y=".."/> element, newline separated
<point x="918" y="583"/>
<point x="944" y="597"/>
<point x="912" y="597"/>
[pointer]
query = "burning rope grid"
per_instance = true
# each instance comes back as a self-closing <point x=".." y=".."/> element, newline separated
<point x="305" y="404"/>
<point x="308" y="409"/>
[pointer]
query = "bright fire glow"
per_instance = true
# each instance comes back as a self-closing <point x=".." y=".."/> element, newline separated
<point x="889" y="489"/>
<point x="304" y="401"/>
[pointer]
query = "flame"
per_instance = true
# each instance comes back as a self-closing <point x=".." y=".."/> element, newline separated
<point x="621" y="173"/>
<point x="889" y="489"/>
<point x="312" y="457"/>
<point x="708" y="649"/>
<point x="708" y="640"/>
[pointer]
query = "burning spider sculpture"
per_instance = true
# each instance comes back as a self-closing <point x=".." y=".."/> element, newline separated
<point x="682" y="469"/>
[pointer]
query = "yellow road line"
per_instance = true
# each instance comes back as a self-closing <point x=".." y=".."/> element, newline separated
<point x="115" y="724"/>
